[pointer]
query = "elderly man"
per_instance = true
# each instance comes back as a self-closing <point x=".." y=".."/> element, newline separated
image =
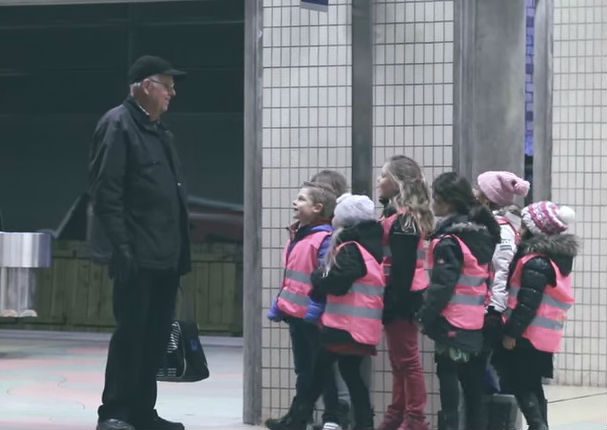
<point x="139" y="227"/>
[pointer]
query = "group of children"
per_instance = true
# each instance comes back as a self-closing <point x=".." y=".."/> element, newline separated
<point x="487" y="282"/>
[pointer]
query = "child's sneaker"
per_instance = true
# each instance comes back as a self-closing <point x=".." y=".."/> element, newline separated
<point x="315" y="310"/>
<point x="331" y="426"/>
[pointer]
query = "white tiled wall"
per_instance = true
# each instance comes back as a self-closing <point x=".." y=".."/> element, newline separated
<point x="306" y="128"/>
<point x="580" y="178"/>
<point x="413" y="115"/>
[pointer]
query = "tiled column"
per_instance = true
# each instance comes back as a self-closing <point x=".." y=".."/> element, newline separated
<point x="579" y="179"/>
<point x="306" y="127"/>
<point x="412" y="115"/>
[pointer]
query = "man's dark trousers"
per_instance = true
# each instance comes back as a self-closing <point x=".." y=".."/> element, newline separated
<point x="144" y="310"/>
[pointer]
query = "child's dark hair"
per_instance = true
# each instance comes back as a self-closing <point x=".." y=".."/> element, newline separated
<point x="455" y="190"/>
<point x="323" y="194"/>
<point x="333" y="179"/>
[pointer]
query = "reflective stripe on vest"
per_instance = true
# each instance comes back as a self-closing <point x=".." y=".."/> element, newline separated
<point x="465" y="308"/>
<point x="359" y="311"/>
<point x="472" y="281"/>
<point x="298" y="276"/>
<point x="542" y="322"/>
<point x="293" y="298"/>
<point x="353" y="311"/>
<point x="420" y="279"/>
<point x="545" y="332"/>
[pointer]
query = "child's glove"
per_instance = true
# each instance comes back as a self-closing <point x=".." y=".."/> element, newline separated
<point x="493" y="327"/>
<point x="315" y="310"/>
<point x="275" y="314"/>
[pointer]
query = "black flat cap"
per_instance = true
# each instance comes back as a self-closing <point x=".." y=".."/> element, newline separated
<point x="149" y="65"/>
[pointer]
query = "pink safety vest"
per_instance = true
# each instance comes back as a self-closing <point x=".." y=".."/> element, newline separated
<point x="359" y="311"/>
<point x="466" y="308"/>
<point x="501" y="220"/>
<point x="420" y="278"/>
<point x="546" y="329"/>
<point x="293" y="298"/>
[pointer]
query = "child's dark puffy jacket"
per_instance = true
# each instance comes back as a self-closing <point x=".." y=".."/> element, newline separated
<point x="448" y="266"/>
<point x="538" y="274"/>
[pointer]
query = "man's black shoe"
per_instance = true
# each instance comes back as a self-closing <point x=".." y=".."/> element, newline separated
<point x="114" y="424"/>
<point x="157" y="423"/>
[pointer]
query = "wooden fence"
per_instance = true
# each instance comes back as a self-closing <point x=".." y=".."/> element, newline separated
<point x="76" y="294"/>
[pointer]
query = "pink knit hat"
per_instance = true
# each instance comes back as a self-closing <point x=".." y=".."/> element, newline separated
<point x="546" y="217"/>
<point x="501" y="187"/>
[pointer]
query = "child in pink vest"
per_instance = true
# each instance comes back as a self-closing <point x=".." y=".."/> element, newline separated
<point x="407" y="221"/>
<point x="540" y="294"/>
<point x="452" y="315"/>
<point x="305" y="251"/>
<point x="352" y="283"/>
<point x="497" y="191"/>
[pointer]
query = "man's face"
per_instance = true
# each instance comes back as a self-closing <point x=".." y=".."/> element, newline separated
<point x="160" y="89"/>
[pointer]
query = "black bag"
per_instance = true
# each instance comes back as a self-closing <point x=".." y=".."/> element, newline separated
<point x="504" y="413"/>
<point x="184" y="360"/>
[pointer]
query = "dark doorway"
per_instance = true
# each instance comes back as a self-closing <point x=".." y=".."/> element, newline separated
<point x="63" y="66"/>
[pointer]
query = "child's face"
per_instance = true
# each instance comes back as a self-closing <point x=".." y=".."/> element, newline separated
<point x="386" y="187"/>
<point x="305" y="209"/>
<point x="440" y="207"/>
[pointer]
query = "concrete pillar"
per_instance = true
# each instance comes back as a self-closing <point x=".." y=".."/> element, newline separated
<point x="252" y="204"/>
<point x="362" y="97"/>
<point x="542" y="110"/>
<point x="489" y="76"/>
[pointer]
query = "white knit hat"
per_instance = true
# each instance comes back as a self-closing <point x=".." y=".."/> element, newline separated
<point x="546" y="217"/>
<point x="352" y="209"/>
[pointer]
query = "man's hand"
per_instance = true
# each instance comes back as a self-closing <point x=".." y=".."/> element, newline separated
<point x="124" y="267"/>
<point x="509" y="342"/>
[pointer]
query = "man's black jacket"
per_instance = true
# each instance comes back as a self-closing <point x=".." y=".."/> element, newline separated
<point x="137" y="191"/>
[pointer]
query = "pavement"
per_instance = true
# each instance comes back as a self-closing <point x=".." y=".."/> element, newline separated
<point x="53" y="380"/>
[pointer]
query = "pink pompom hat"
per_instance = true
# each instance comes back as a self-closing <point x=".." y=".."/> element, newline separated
<point x="502" y="187"/>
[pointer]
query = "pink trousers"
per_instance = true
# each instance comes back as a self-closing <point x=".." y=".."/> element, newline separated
<point x="408" y="383"/>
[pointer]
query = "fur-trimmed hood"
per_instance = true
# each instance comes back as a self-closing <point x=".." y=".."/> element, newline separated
<point x="475" y="235"/>
<point x="560" y="248"/>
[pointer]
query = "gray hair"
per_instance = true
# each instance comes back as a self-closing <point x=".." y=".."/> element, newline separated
<point x="135" y="85"/>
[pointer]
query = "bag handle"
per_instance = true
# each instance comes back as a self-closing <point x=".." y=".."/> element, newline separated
<point x="186" y="311"/>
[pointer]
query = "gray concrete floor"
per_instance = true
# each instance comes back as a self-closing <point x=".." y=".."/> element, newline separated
<point x="52" y="381"/>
